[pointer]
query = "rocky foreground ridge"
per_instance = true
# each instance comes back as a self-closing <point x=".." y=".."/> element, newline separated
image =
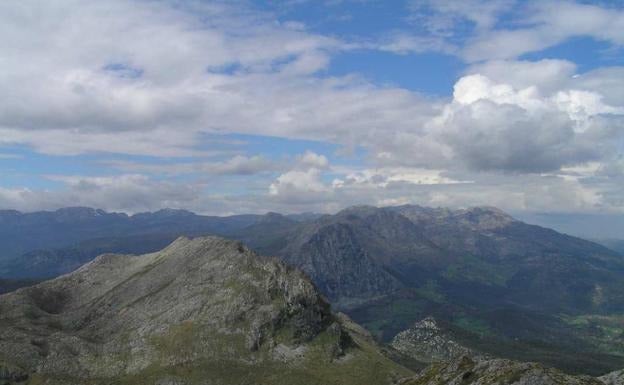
<point x="454" y="364"/>
<point x="465" y="371"/>
<point x="201" y="311"/>
<point x="613" y="378"/>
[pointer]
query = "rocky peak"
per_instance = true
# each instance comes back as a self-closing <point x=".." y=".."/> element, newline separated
<point x="427" y="341"/>
<point x="77" y="213"/>
<point x="166" y="213"/>
<point x="484" y="218"/>
<point x="359" y="211"/>
<point x="274" y="219"/>
<point x="428" y="323"/>
<point x="419" y="213"/>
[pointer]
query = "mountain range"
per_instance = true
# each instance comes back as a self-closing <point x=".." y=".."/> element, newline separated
<point x="500" y="286"/>
<point x="210" y="311"/>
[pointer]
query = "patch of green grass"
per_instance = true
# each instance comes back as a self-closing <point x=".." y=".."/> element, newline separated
<point x="362" y="364"/>
<point x="606" y="332"/>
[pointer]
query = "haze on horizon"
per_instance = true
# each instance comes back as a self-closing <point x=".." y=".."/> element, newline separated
<point x="244" y="107"/>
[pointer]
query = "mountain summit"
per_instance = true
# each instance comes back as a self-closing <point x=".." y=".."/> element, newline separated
<point x="204" y="309"/>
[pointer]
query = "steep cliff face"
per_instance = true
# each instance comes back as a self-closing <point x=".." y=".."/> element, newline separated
<point x="205" y="310"/>
<point x="360" y="253"/>
<point x="341" y="266"/>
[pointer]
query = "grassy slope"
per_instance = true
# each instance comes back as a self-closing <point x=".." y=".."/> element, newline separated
<point x="234" y="364"/>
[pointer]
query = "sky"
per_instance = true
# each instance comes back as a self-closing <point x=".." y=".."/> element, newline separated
<point x="225" y="107"/>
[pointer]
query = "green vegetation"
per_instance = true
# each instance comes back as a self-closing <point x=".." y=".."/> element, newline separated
<point x="234" y="364"/>
<point x="472" y="269"/>
<point x="473" y="325"/>
<point x="604" y="332"/>
<point x="431" y="291"/>
<point x="390" y="315"/>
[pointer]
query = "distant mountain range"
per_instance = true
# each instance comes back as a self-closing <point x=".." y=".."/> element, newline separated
<point x="502" y="287"/>
<point x="50" y="243"/>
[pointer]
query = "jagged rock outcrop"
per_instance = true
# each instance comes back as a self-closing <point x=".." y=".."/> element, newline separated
<point x="465" y="371"/>
<point x="205" y="310"/>
<point x="613" y="378"/>
<point x="426" y="341"/>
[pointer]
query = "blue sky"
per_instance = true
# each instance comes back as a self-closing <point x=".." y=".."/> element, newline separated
<point x="227" y="107"/>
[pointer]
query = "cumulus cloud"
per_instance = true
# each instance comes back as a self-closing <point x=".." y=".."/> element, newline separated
<point x="145" y="73"/>
<point x="124" y="97"/>
<point x="494" y="126"/>
<point x="549" y="75"/>
<point x="313" y="160"/>
<point x="292" y="183"/>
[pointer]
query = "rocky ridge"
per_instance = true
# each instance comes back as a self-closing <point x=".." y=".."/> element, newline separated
<point x="613" y="378"/>
<point x="204" y="310"/>
<point x="426" y="341"/>
<point x="466" y="371"/>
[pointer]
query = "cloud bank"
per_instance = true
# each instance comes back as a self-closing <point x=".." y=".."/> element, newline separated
<point x="137" y="80"/>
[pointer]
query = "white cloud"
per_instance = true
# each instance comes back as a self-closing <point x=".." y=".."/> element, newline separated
<point x="313" y="160"/>
<point x="441" y="17"/>
<point x="299" y="191"/>
<point x="387" y="176"/>
<point x="548" y="75"/>
<point x="506" y="29"/>
<point x="293" y="183"/>
<point x="546" y="24"/>
<point x="494" y="126"/>
<point x="151" y="79"/>
<point x="129" y="193"/>
<point x="139" y="77"/>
